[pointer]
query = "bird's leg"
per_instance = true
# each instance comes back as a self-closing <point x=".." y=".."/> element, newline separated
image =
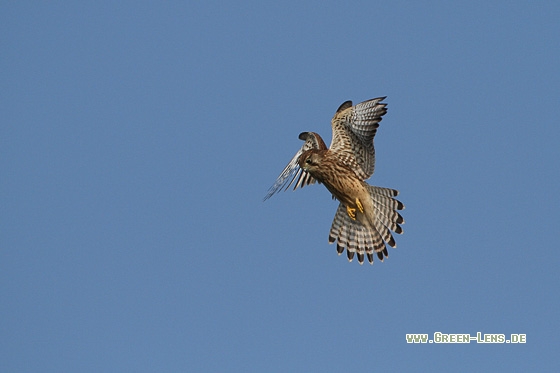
<point x="359" y="204"/>
<point x="351" y="212"/>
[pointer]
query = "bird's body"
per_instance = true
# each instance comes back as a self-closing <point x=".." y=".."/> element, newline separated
<point x="366" y="213"/>
<point x="339" y="179"/>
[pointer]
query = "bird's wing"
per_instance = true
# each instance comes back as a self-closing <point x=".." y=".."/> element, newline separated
<point x="354" y="128"/>
<point x="292" y="171"/>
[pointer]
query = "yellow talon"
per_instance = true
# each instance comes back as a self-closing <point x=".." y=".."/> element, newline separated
<point x="351" y="212"/>
<point x="359" y="204"/>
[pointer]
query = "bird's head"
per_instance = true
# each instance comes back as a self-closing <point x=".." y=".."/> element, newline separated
<point x="310" y="160"/>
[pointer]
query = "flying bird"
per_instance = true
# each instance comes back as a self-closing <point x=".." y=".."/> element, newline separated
<point x="366" y="214"/>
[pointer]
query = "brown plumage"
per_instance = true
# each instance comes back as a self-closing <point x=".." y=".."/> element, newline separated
<point x="366" y="214"/>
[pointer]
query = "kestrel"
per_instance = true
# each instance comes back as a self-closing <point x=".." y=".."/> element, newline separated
<point x="366" y="214"/>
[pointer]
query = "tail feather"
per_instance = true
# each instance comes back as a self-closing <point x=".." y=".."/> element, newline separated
<point x="390" y="218"/>
<point x="356" y="238"/>
<point x="387" y="207"/>
<point x="361" y="240"/>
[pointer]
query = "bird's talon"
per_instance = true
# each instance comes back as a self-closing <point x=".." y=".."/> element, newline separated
<point x="351" y="212"/>
<point x="359" y="204"/>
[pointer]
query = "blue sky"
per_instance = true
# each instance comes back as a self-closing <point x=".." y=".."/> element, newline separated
<point x="139" y="138"/>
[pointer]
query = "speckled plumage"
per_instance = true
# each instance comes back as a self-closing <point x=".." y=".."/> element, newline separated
<point x="366" y="214"/>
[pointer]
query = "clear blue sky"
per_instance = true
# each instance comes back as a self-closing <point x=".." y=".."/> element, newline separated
<point x="138" y="139"/>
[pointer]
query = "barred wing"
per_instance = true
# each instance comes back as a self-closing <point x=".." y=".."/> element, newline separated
<point x="292" y="171"/>
<point x="354" y="128"/>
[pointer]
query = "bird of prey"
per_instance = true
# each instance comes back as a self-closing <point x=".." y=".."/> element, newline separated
<point x="366" y="214"/>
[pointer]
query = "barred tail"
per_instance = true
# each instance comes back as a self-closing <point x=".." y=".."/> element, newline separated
<point x="358" y="239"/>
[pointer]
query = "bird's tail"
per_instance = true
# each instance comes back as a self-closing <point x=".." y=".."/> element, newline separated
<point x="364" y="240"/>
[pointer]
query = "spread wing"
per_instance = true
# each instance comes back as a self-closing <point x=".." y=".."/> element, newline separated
<point x="354" y="128"/>
<point x="292" y="171"/>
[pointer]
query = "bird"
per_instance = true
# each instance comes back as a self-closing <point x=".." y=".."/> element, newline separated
<point x="366" y="214"/>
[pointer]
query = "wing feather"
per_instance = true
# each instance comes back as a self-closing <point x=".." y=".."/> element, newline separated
<point x="354" y="128"/>
<point x="292" y="172"/>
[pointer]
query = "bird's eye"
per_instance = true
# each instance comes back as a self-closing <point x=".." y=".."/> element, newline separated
<point x="308" y="161"/>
